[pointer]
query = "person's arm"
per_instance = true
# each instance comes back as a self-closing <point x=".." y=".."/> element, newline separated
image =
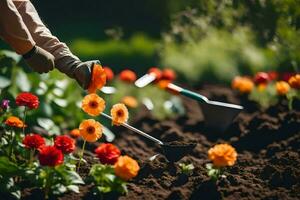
<point x="15" y="33"/>
<point x="65" y="61"/>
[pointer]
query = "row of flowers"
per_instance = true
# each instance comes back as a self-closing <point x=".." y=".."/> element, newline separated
<point x="266" y="88"/>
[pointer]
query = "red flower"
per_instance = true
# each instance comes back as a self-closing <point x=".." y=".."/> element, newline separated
<point x="108" y="153"/>
<point x="65" y="144"/>
<point x="50" y="156"/>
<point x="287" y="75"/>
<point x="168" y="74"/>
<point x="273" y="75"/>
<point x="157" y="72"/>
<point x="33" y="141"/>
<point x="27" y="99"/>
<point x="127" y="76"/>
<point x="261" y="77"/>
<point x="109" y="73"/>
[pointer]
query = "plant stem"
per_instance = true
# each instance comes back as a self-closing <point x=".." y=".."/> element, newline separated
<point x="81" y="155"/>
<point x="24" y="119"/>
<point x="48" y="182"/>
<point x="12" y="138"/>
<point x="31" y="154"/>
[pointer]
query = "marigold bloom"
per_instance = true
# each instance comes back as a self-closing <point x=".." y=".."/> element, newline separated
<point x="27" y="99"/>
<point x="50" y="156"/>
<point x="163" y="84"/>
<point x="242" y="84"/>
<point x="261" y="77"/>
<point x="98" y="79"/>
<point x="282" y="87"/>
<point x="33" y="141"/>
<point x="157" y="72"/>
<point x="109" y="73"/>
<point x="14" y="122"/>
<point x="93" y="105"/>
<point x="75" y="133"/>
<point x="107" y="153"/>
<point x="294" y="81"/>
<point x="127" y="76"/>
<point x="222" y="155"/>
<point x="126" y="168"/>
<point x="130" y="101"/>
<point x="90" y="130"/>
<point x="119" y="114"/>
<point x="262" y="87"/>
<point x="168" y="74"/>
<point x="65" y="144"/>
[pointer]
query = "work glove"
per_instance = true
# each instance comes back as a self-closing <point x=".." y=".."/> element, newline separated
<point x="39" y="60"/>
<point x="74" y="68"/>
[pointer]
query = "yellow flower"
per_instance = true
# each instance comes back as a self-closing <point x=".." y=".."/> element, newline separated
<point x="130" y="101"/>
<point x="14" y="122"/>
<point x="222" y="155"/>
<point x="98" y="79"/>
<point x="126" y="168"/>
<point x="282" y="87"/>
<point x="75" y="133"/>
<point x="119" y="114"/>
<point x="90" y="130"/>
<point x="93" y="105"/>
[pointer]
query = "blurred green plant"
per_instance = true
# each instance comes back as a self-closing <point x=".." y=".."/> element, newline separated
<point x="219" y="39"/>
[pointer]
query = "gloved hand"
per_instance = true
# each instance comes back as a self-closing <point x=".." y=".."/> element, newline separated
<point x="74" y="68"/>
<point x="39" y="60"/>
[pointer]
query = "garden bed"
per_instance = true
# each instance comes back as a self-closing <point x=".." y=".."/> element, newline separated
<point x="267" y="142"/>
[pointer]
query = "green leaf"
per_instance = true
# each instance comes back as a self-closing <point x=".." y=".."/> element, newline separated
<point x="22" y="81"/>
<point x="7" y="167"/>
<point x="4" y="82"/>
<point x="73" y="188"/>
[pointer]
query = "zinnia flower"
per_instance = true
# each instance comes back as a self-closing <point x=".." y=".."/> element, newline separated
<point x="90" y="130"/>
<point x="93" y="105"/>
<point x="127" y="76"/>
<point x="282" y="87"/>
<point x="222" y="155"/>
<point x="75" y="133"/>
<point x="168" y="74"/>
<point x="27" y="99"/>
<point x="242" y="84"/>
<point x="108" y="153"/>
<point x="294" y="81"/>
<point x="50" y="156"/>
<point x="109" y="73"/>
<point x="261" y="77"/>
<point x="5" y="104"/>
<point x="126" y="168"/>
<point x="98" y="79"/>
<point x="119" y="114"/>
<point x="14" y="122"/>
<point x="33" y="141"/>
<point x="130" y="101"/>
<point x="65" y="144"/>
<point x="157" y="72"/>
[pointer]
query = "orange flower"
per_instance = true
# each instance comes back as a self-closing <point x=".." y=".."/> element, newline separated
<point x="282" y="87"/>
<point x="92" y="104"/>
<point x="261" y="87"/>
<point x="242" y="84"/>
<point x="75" y="133"/>
<point x="98" y="79"/>
<point x="109" y="73"/>
<point x="163" y="84"/>
<point x="126" y="168"/>
<point x="130" y="101"/>
<point x="294" y="81"/>
<point x="127" y="76"/>
<point x="222" y="155"/>
<point x="14" y="122"/>
<point x="90" y="130"/>
<point x="119" y="114"/>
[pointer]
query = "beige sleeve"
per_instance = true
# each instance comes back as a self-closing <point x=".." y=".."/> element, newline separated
<point x="41" y="34"/>
<point x="13" y="29"/>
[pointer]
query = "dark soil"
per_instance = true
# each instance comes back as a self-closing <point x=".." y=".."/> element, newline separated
<point x="268" y="144"/>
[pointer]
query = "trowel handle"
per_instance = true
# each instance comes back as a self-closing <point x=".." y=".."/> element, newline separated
<point x="194" y="95"/>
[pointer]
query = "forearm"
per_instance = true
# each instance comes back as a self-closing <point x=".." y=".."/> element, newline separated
<point x="64" y="59"/>
<point x="12" y="28"/>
